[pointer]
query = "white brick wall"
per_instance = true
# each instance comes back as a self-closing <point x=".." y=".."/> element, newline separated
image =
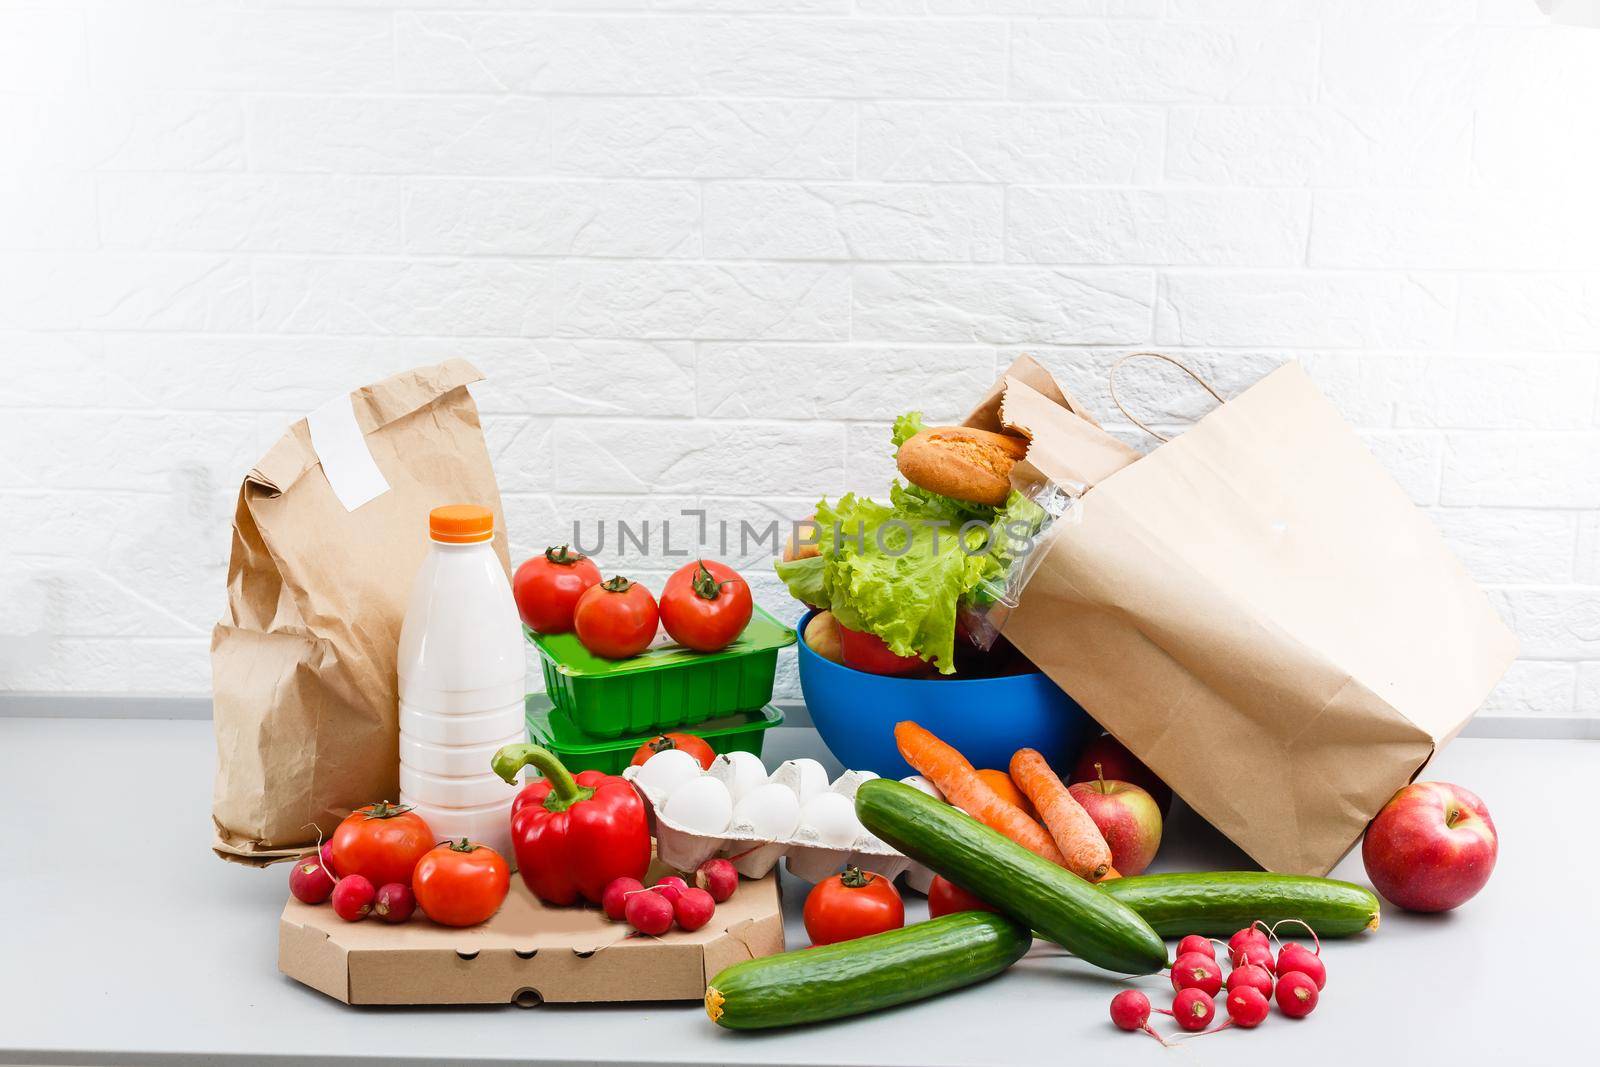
<point x="707" y="249"/>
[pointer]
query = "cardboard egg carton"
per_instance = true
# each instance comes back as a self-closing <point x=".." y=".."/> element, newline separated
<point x="754" y="856"/>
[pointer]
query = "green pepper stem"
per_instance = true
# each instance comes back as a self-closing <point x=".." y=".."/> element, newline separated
<point x="564" y="789"/>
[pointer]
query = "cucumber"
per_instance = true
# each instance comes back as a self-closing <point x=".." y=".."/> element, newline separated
<point x="1215" y="904"/>
<point x="855" y="977"/>
<point x="1053" y="901"/>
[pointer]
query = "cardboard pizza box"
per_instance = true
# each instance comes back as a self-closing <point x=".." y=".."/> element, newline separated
<point x="527" y="954"/>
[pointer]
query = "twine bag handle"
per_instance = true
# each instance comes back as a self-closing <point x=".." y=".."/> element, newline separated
<point x="1112" y="378"/>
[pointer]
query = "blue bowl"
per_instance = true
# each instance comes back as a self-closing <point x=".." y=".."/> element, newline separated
<point x="987" y="719"/>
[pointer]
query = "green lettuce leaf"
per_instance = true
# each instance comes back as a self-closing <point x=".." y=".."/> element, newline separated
<point x="906" y="427"/>
<point x="898" y="575"/>
<point x="913" y="500"/>
<point x="804" y="577"/>
<point x="1015" y="526"/>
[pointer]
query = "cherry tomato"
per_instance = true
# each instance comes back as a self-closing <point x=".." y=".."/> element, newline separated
<point x="382" y="842"/>
<point x="616" y="619"/>
<point x="461" y="883"/>
<point x="687" y="742"/>
<point x="947" y="898"/>
<point x="852" y="904"/>
<point x="867" y="652"/>
<point x="547" y="588"/>
<point x="705" y="605"/>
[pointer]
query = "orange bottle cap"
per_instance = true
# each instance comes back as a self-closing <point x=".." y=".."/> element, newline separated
<point x="460" y="524"/>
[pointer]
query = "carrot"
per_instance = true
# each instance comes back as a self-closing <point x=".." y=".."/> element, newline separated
<point x="962" y="786"/>
<point x="1085" y="852"/>
<point x="1007" y="790"/>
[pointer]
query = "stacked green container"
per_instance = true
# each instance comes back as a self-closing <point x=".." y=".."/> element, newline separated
<point x="596" y="712"/>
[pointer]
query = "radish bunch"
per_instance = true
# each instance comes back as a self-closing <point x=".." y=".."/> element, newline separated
<point x="313" y="881"/>
<point x="653" y="909"/>
<point x="1294" y="976"/>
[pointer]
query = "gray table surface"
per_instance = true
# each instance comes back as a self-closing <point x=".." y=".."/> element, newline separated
<point x="124" y="940"/>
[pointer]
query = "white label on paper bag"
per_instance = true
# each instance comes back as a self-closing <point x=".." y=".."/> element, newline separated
<point x="342" y="447"/>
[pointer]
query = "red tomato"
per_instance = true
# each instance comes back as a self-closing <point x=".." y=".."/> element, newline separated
<point x="616" y="619"/>
<point x="947" y="898"/>
<point x="867" y="652"/>
<point x="687" y="742"/>
<point x="461" y="883"/>
<point x="547" y="588"/>
<point x="382" y="842"/>
<point x="851" y="905"/>
<point x="705" y="605"/>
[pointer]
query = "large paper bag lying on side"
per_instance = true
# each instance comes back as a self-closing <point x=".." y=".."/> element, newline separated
<point x="1259" y="613"/>
<point x="305" y="699"/>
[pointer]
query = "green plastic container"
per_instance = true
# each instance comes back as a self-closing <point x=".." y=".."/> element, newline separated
<point x="663" y="687"/>
<point x="551" y="727"/>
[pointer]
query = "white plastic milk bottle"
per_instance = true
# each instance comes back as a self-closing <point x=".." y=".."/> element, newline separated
<point x="461" y="682"/>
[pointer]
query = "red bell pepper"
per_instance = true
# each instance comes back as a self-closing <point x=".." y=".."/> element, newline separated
<point x="573" y="835"/>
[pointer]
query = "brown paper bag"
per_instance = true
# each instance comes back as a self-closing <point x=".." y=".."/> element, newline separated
<point x="1081" y="453"/>
<point x="1259" y="613"/>
<point x="303" y="662"/>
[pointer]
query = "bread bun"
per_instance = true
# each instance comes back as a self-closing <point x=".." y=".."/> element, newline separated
<point x="794" y="549"/>
<point x="961" y="463"/>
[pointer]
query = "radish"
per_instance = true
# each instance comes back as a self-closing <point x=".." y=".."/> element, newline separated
<point x="1195" y="970"/>
<point x="1250" y="976"/>
<point x="1130" y="1011"/>
<point x="309" y="880"/>
<point x="1299" y="958"/>
<point x="1297" y="994"/>
<point x="1296" y="957"/>
<point x="1193" y="1008"/>
<point x="670" y="887"/>
<point x="1248" y="934"/>
<point x="352" y="898"/>
<point x="1247" y="1007"/>
<point x="1248" y="946"/>
<point x="615" y="898"/>
<point x="325" y="850"/>
<point x="1196" y="943"/>
<point x="1255" y="955"/>
<point x="649" y="911"/>
<point x="394" y="903"/>
<point x="694" y="908"/>
<point x="717" y="877"/>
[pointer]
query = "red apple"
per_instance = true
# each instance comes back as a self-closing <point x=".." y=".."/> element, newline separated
<point x="1431" y="848"/>
<point x="870" y="653"/>
<point x="1128" y="818"/>
<point x="1119" y="765"/>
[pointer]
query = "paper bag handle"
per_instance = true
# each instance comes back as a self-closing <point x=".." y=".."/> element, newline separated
<point x="1112" y="378"/>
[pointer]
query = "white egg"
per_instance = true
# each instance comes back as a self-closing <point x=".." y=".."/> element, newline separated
<point x="768" y="812"/>
<point x="666" y="770"/>
<point x="805" y="776"/>
<point x="832" y="817"/>
<point x="743" y="771"/>
<point x="702" y="805"/>
<point x="921" y="784"/>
